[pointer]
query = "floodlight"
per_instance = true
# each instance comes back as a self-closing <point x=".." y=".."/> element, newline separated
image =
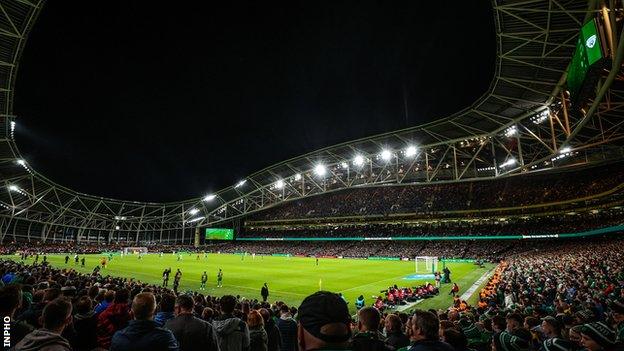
<point x="196" y="219"/>
<point x="117" y="227"/>
<point x="298" y="176"/>
<point x="565" y="150"/>
<point x="358" y="160"/>
<point x="386" y="155"/>
<point x="210" y="197"/>
<point x="320" y="170"/>
<point x="510" y="162"/>
<point x="410" y="151"/>
<point x="13" y="187"/>
<point x="241" y="183"/>
<point x="21" y="162"/>
<point x="279" y="184"/>
<point x="193" y="211"/>
<point x="344" y="165"/>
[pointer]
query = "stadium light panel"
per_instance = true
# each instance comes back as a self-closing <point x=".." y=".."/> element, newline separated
<point x="13" y="187"/>
<point x="210" y="197"/>
<point x="344" y="165"/>
<point x="12" y="126"/>
<point x="117" y="227"/>
<point x="21" y="162"/>
<point x="298" y="176"/>
<point x="511" y="131"/>
<point x="241" y="183"/>
<point x="410" y="151"/>
<point x="358" y="160"/>
<point x="565" y="150"/>
<point x="279" y="184"/>
<point x="193" y="211"/>
<point x="386" y="155"/>
<point x="320" y="170"/>
<point x="196" y="219"/>
<point x="510" y="162"/>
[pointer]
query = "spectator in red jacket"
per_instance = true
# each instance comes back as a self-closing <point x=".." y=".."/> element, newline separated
<point x="115" y="317"/>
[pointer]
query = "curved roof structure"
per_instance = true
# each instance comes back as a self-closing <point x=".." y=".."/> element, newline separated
<point x="521" y="124"/>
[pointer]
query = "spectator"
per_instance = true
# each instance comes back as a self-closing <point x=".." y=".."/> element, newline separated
<point x="166" y="306"/>
<point x="55" y="317"/>
<point x="425" y="333"/>
<point x="505" y="341"/>
<point x="258" y="340"/>
<point x="232" y="332"/>
<point x="456" y="339"/>
<point x="109" y="296"/>
<point x="597" y="336"/>
<point x="288" y="329"/>
<point x="85" y="325"/>
<point x="10" y="301"/>
<point x="514" y="321"/>
<point x="367" y="337"/>
<point x="395" y="337"/>
<point x="551" y="327"/>
<point x="192" y="333"/>
<point x="142" y="334"/>
<point x="324" y="322"/>
<point x="273" y="334"/>
<point x="115" y="317"/>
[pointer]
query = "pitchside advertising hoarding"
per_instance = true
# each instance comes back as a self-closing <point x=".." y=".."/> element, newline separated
<point x="219" y="234"/>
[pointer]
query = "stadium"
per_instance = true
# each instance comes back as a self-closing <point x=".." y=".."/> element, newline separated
<point x="498" y="227"/>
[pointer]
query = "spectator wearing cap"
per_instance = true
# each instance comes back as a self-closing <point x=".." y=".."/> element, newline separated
<point x="367" y="337"/>
<point x="115" y="317"/>
<point x="232" y="332"/>
<point x="85" y="325"/>
<point x="56" y="316"/>
<point x="597" y="336"/>
<point x="191" y="332"/>
<point x="425" y="333"/>
<point x="324" y="322"/>
<point x="288" y="329"/>
<point x="10" y="301"/>
<point x="395" y="337"/>
<point x="551" y="328"/>
<point x="142" y="333"/>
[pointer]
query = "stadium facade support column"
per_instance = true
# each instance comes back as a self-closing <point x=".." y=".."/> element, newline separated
<point x="196" y="242"/>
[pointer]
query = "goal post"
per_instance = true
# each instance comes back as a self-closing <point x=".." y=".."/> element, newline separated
<point x="425" y="264"/>
<point x="134" y="250"/>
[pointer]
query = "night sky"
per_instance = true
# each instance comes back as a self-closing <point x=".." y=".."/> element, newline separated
<point x="140" y="101"/>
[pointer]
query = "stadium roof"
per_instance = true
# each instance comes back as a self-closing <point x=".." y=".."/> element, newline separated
<point x="500" y="134"/>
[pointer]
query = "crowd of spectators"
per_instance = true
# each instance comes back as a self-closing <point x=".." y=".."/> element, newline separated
<point x="570" y="222"/>
<point x="554" y="296"/>
<point x="428" y="198"/>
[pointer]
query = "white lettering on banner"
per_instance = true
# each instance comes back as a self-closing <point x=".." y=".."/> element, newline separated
<point x="6" y="333"/>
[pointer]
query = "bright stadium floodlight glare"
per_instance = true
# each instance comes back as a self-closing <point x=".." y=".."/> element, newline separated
<point x="13" y="187"/>
<point x="12" y="126"/>
<point x="298" y="176"/>
<point x="210" y="197"/>
<point x="241" y="183"/>
<point x="320" y="170"/>
<point x="565" y="150"/>
<point x="117" y="227"/>
<point x="410" y="151"/>
<point x="344" y="165"/>
<point x="193" y="211"/>
<point x="279" y="184"/>
<point x="386" y="155"/>
<point x="358" y="160"/>
<point x="21" y="162"/>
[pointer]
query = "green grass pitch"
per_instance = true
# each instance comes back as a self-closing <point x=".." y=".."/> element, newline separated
<point x="289" y="279"/>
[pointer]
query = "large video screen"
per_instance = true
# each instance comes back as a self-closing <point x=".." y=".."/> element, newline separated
<point x="588" y="51"/>
<point x="219" y="234"/>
